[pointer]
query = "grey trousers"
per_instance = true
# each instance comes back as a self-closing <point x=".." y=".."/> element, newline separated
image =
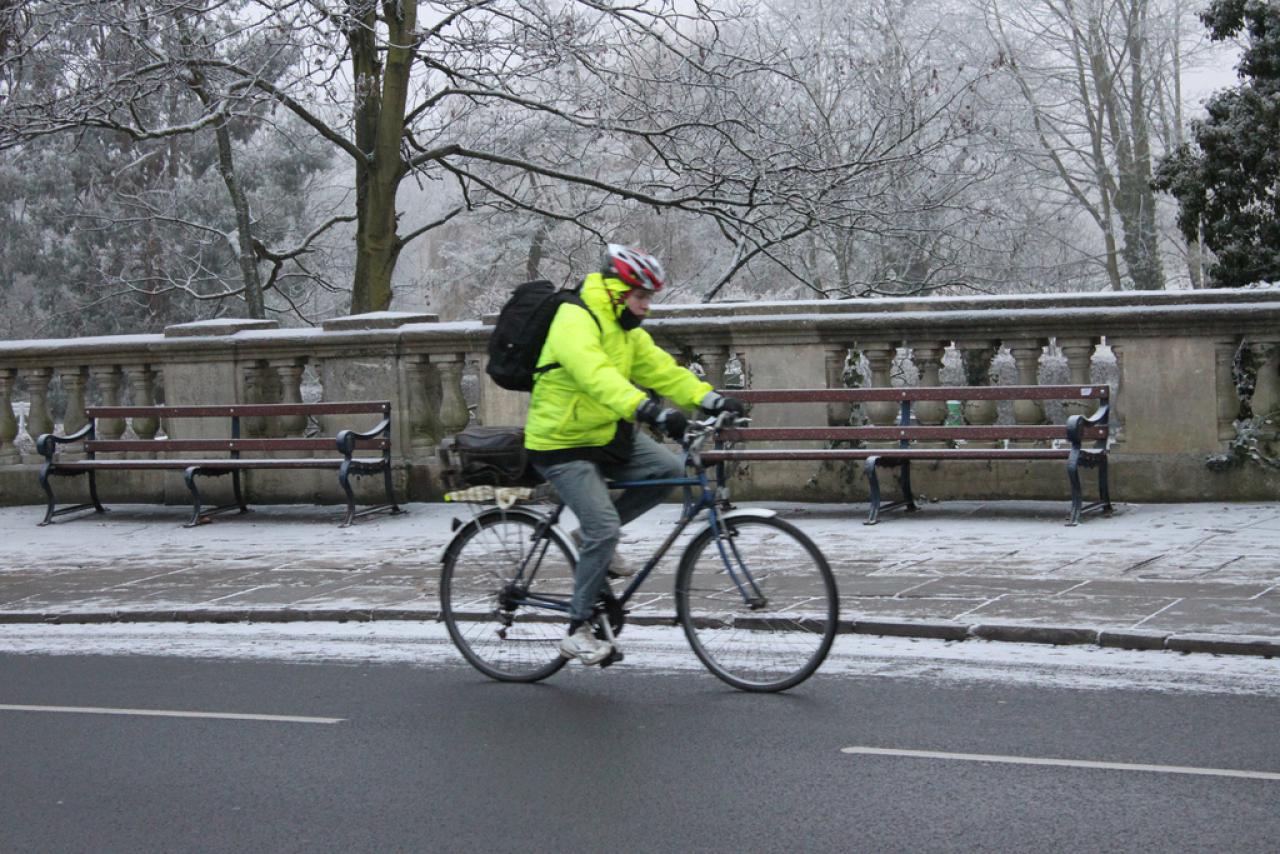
<point x="581" y="485"/>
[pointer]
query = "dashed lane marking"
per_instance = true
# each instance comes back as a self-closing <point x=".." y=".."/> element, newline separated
<point x="172" y="713"/>
<point x="1064" y="763"/>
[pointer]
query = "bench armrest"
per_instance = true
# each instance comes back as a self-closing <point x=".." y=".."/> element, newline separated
<point x="1077" y="423"/>
<point x="346" y="439"/>
<point x="48" y="442"/>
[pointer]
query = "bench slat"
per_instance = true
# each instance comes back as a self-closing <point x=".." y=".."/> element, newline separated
<point x="891" y="453"/>
<point x="869" y="395"/>
<point x="215" y="463"/>
<point x="835" y="434"/>
<point x="227" y="411"/>
<point x="183" y="445"/>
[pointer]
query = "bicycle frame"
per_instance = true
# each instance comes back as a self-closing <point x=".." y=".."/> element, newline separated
<point x="707" y="499"/>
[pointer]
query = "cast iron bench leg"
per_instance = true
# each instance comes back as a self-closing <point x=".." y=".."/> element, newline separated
<point x="1073" y="474"/>
<point x="239" y="494"/>
<point x="873" y="481"/>
<point x="344" y="472"/>
<point x="904" y="482"/>
<point x="189" y="475"/>
<point x="48" y="491"/>
<point x="391" y="494"/>
<point x="1104" y="491"/>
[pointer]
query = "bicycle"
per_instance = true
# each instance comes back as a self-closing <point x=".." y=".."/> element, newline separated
<point x="754" y="595"/>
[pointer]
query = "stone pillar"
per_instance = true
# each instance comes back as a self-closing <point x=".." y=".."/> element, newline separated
<point x="1116" y="416"/>
<point x="423" y="426"/>
<point x="1026" y="355"/>
<point x="288" y="379"/>
<point x="977" y="357"/>
<point x="880" y="358"/>
<point x="1079" y="355"/>
<point x="838" y="414"/>
<point x="1225" y="382"/>
<point x="107" y="379"/>
<point x="254" y="426"/>
<point x="142" y="393"/>
<point x="38" y="418"/>
<point x="453" y="406"/>
<point x="8" y="421"/>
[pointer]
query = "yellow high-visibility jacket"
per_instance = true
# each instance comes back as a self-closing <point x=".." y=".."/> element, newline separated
<point x="579" y="404"/>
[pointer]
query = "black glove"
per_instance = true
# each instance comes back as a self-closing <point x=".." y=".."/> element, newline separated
<point x="715" y="403"/>
<point x="670" y="421"/>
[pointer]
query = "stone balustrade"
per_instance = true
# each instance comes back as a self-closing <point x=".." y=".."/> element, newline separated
<point x="1177" y="361"/>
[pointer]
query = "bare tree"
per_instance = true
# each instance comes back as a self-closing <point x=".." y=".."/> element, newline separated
<point x="1095" y="74"/>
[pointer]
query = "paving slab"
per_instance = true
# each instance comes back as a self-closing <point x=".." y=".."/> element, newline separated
<point x="1202" y="576"/>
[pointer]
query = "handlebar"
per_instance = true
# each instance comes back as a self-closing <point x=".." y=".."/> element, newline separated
<point x="700" y="431"/>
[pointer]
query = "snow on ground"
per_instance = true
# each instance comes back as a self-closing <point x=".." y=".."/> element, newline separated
<point x="663" y="649"/>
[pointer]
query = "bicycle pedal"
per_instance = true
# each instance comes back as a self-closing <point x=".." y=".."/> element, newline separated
<point x="612" y="658"/>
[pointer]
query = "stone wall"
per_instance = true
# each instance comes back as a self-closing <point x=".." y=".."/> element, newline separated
<point x="1178" y="363"/>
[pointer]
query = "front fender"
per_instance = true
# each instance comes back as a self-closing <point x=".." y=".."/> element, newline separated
<point x="740" y="513"/>
<point x="462" y="529"/>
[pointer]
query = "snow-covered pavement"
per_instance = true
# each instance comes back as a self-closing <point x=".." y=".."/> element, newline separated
<point x="1184" y="577"/>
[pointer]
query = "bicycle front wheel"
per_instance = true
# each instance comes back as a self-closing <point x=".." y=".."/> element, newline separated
<point x="489" y="596"/>
<point x="759" y="604"/>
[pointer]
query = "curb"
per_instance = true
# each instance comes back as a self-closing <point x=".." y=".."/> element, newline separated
<point x="1213" y="644"/>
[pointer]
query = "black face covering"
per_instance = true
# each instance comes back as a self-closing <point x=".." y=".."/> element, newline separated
<point x="629" y="320"/>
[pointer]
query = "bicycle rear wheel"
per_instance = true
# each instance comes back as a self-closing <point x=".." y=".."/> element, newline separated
<point x="479" y="596"/>
<point x="768" y="624"/>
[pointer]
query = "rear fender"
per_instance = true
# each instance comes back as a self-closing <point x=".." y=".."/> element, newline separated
<point x="463" y="529"/>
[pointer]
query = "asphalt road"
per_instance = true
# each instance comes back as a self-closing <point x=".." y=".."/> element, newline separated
<point x="440" y="759"/>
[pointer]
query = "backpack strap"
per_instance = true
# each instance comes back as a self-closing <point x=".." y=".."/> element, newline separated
<point x="571" y="298"/>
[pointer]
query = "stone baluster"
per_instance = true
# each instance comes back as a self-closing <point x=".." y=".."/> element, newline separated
<point x="880" y="358"/>
<point x="713" y="365"/>
<point x="107" y="379"/>
<point x="255" y="391"/>
<point x="8" y="421"/>
<point x="928" y="360"/>
<point x="453" y="406"/>
<point x="977" y="357"/>
<point x="1026" y="356"/>
<point x="74" y="379"/>
<point x="838" y="414"/>
<point x="1225" y="385"/>
<point x="288" y="380"/>
<point x="1266" y="385"/>
<point x="881" y="413"/>
<point x="1079" y="355"/>
<point x="423" y="386"/>
<point x="39" y="420"/>
<point x="142" y="393"/>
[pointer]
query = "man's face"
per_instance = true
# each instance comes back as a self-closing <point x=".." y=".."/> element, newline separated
<point x="638" y="300"/>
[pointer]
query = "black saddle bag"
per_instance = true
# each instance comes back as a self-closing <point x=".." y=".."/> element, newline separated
<point x="487" y="456"/>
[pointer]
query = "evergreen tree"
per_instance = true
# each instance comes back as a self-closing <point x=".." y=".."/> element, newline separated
<point x="1228" y="185"/>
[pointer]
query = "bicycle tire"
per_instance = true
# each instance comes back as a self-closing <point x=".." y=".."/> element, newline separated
<point x="514" y="644"/>
<point x="781" y="640"/>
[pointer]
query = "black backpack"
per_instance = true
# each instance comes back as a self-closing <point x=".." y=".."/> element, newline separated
<point x="521" y="329"/>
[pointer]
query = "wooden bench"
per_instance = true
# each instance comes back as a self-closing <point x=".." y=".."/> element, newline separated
<point x="214" y="457"/>
<point x="1081" y="442"/>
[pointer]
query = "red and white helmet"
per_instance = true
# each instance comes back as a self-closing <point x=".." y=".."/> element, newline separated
<point x="634" y="267"/>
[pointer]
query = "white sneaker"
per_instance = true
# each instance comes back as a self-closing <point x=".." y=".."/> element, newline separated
<point x="585" y="646"/>
<point x="619" y="567"/>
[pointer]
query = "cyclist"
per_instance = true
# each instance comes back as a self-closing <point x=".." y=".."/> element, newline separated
<point x="580" y="430"/>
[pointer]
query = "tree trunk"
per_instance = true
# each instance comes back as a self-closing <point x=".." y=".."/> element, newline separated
<point x="381" y="93"/>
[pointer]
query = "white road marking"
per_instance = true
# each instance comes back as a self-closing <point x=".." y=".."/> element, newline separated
<point x="1065" y="763"/>
<point x="169" y="713"/>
